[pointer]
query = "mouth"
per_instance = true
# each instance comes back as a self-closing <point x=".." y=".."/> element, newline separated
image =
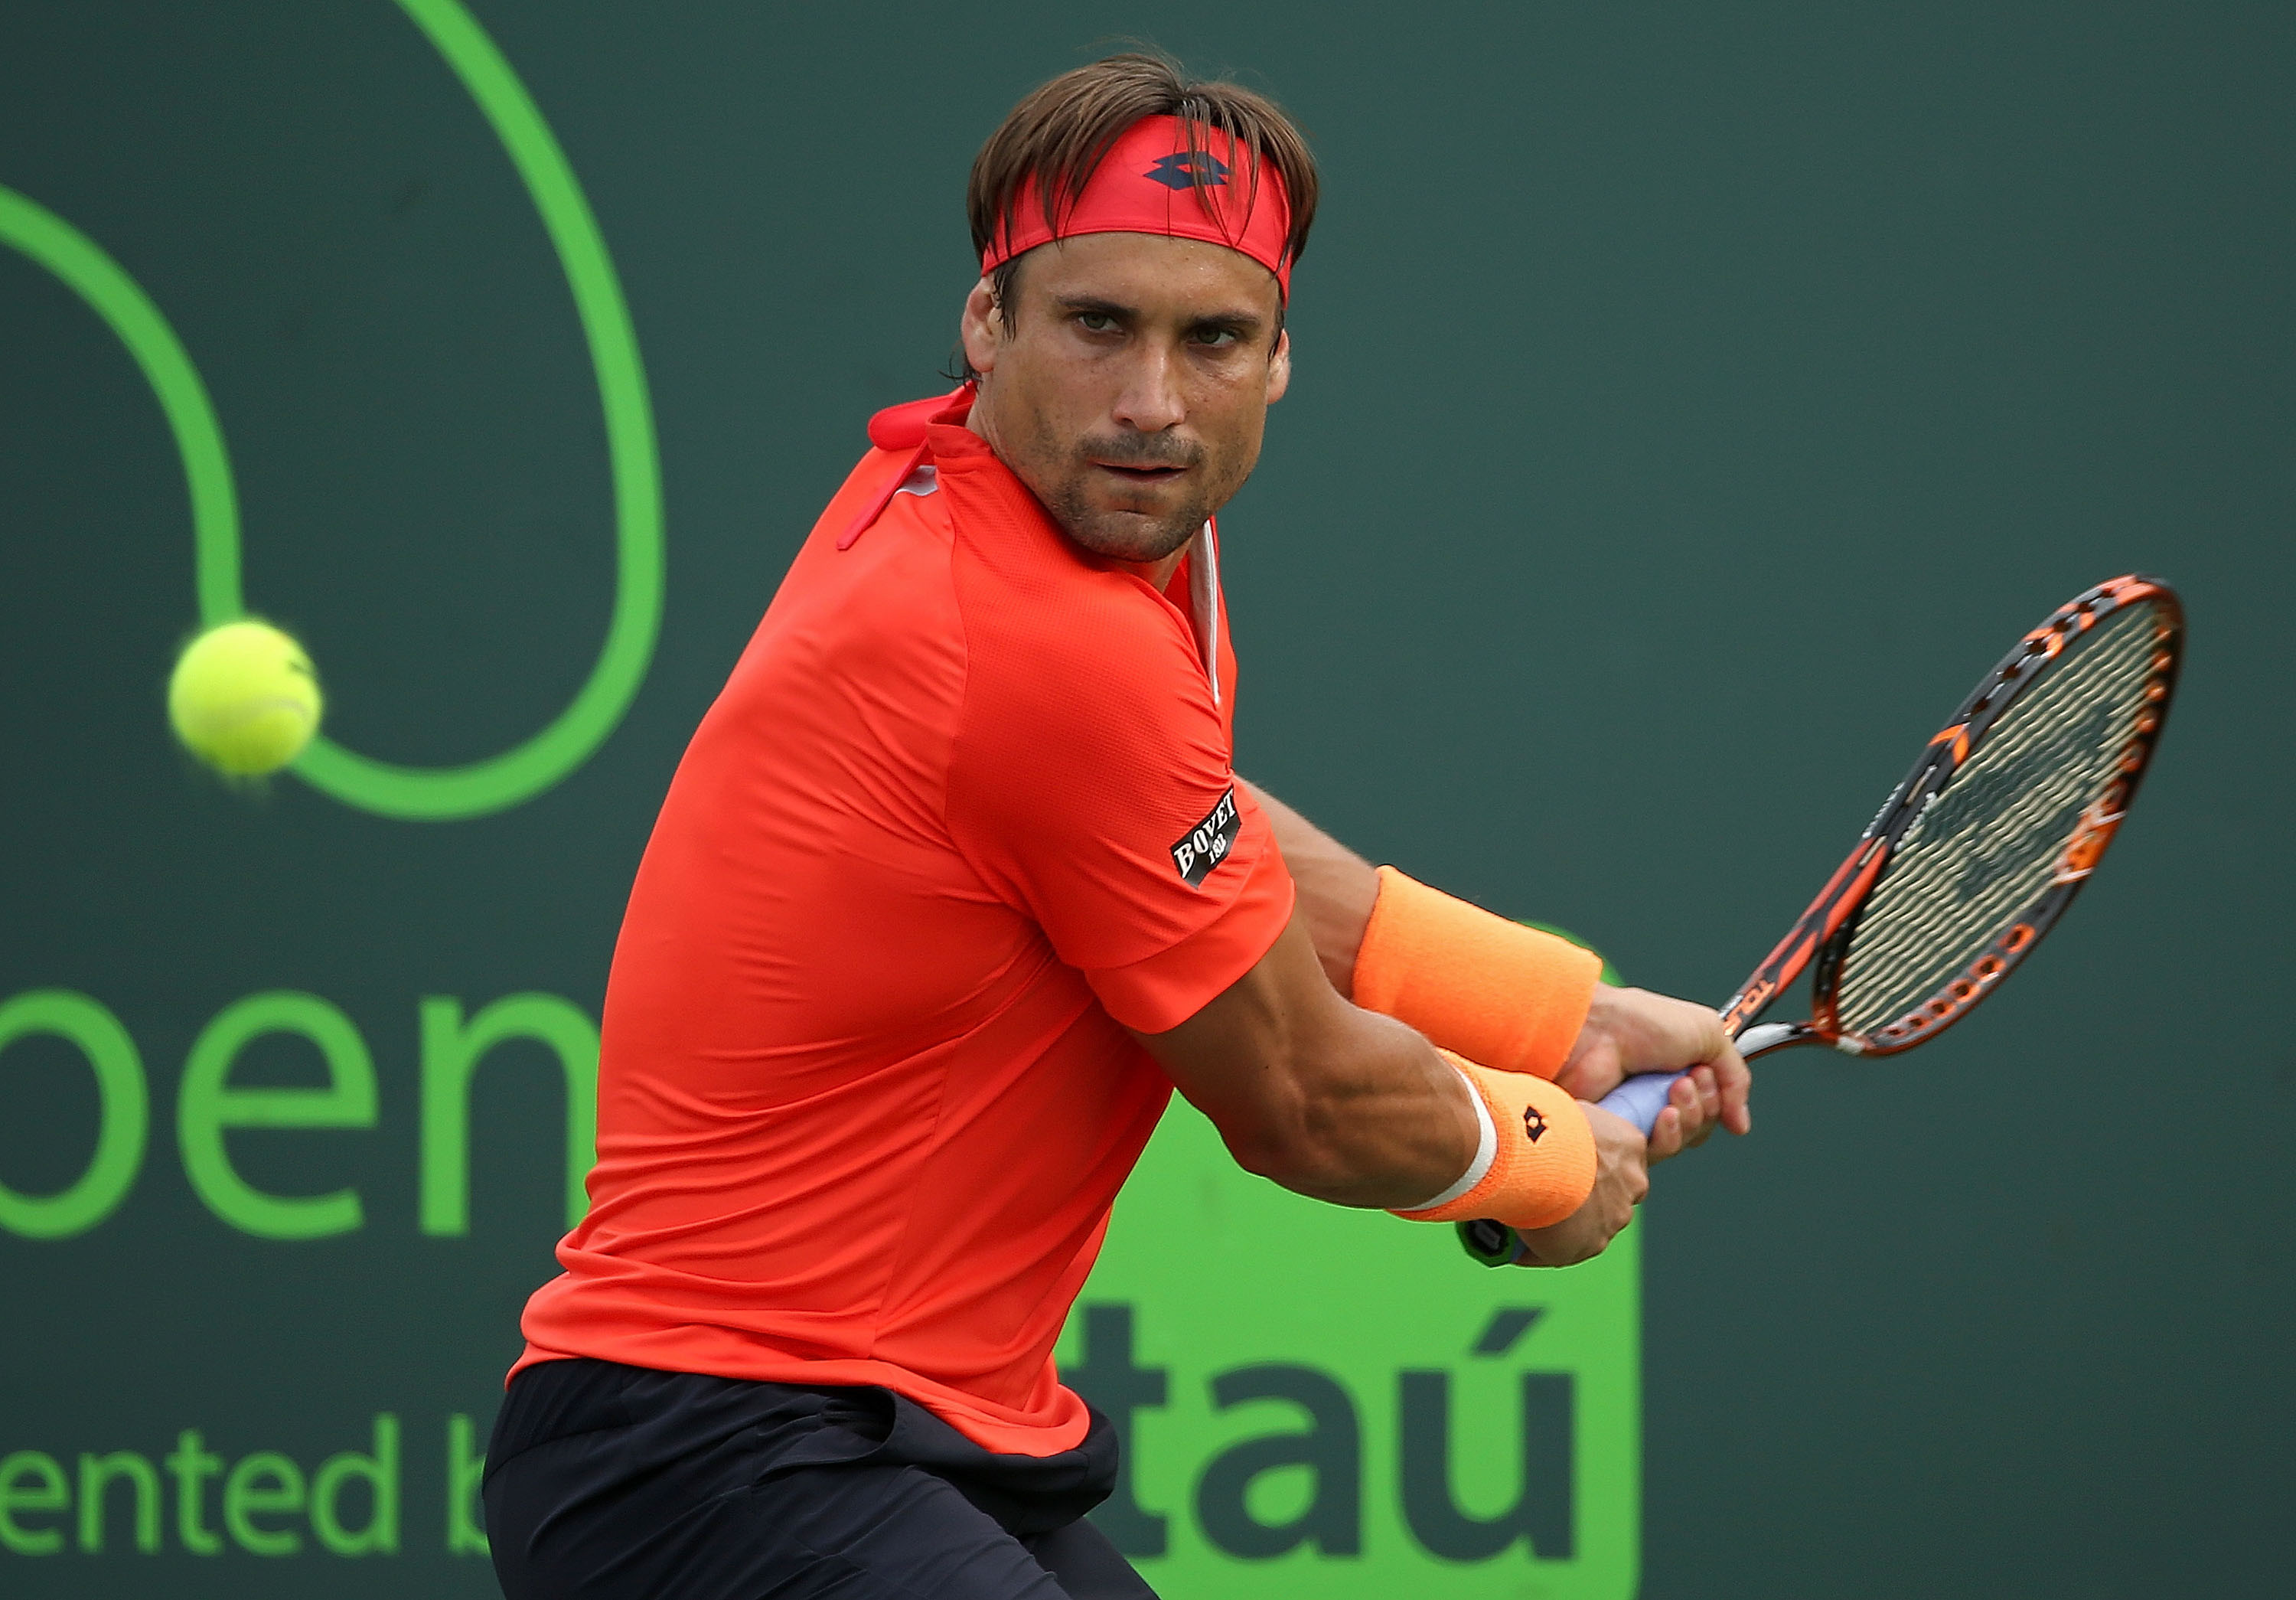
<point x="1144" y="476"/>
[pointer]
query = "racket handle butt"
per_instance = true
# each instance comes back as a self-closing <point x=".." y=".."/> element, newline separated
<point x="1491" y="1243"/>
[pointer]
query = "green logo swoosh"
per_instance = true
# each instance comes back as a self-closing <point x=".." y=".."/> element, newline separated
<point x="524" y="771"/>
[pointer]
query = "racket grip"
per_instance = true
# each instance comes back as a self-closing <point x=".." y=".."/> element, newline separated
<point x="1640" y="1099"/>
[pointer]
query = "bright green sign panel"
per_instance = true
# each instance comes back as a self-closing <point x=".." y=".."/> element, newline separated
<point x="1334" y="1403"/>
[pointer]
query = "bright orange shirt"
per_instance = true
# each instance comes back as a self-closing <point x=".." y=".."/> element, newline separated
<point x="964" y="811"/>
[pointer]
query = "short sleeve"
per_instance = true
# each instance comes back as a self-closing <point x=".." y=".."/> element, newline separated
<point x="1092" y="788"/>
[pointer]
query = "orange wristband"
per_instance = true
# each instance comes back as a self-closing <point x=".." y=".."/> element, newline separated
<point x="1470" y="981"/>
<point x="1543" y="1168"/>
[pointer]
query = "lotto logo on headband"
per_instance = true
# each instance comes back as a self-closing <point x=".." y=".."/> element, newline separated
<point x="1181" y="171"/>
<point x="1201" y="200"/>
<point x="1206" y="844"/>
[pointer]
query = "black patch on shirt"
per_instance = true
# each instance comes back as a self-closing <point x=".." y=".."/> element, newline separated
<point x="1206" y="844"/>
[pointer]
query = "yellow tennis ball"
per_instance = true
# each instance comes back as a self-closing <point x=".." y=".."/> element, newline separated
<point x="243" y="698"/>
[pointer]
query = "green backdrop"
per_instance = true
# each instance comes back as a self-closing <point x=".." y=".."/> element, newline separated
<point x="1691" y="401"/>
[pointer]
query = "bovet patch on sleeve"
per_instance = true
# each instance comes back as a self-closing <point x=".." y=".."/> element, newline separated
<point x="1206" y="844"/>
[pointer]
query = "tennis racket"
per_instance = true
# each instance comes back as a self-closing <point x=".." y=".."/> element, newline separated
<point x="1972" y="859"/>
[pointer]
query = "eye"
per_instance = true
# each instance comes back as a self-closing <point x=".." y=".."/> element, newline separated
<point x="1095" y="321"/>
<point x="1216" y="338"/>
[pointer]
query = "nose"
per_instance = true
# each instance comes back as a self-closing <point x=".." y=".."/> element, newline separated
<point x="1149" y="401"/>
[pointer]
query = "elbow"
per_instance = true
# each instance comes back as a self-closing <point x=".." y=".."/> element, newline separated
<point x="1299" y="1142"/>
<point x="1265" y="1154"/>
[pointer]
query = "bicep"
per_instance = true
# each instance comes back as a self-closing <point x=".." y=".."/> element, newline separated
<point x="1246" y="1059"/>
<point x="1337" y="887"/>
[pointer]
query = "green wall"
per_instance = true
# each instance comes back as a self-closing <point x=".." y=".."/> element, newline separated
<point x="1662" y="370"/>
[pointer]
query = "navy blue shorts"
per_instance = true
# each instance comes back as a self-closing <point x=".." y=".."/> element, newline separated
<point x="610" y="1482"/>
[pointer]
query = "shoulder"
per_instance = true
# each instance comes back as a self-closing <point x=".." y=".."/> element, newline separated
<point x="1047" y="625"/>
<point x="1082" y="697"/>
<point x="873" y="625"/>
<point x="1049" y="631"/>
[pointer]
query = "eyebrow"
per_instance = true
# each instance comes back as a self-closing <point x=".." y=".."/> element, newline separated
<point x="1245" y="324"/>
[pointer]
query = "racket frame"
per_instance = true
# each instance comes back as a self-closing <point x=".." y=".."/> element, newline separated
<point x="1947" y="753"/>
<point x="1823" y="933"/>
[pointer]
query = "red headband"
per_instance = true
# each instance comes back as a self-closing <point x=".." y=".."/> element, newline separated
<point x="1147" y="183"/>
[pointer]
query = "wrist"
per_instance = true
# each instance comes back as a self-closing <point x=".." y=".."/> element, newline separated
<point x="1479" y="1165"/>
<point x="1493" y="990"/>
<point x="1543" y="1164"/>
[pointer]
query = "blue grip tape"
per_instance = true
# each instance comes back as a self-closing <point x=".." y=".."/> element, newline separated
<point x="1640" y="1099"/>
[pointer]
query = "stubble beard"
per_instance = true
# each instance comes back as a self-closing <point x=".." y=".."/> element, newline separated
<point x="1059" y="473"/>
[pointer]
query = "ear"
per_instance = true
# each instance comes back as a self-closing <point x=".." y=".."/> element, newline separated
<point x="981" y="327"/>
<point x="1279" y="367"/>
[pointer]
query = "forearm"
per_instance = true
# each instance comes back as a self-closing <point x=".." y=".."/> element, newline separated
<point x="1308" y="1091"/>
<point x="1471" y="981"/>
<point x="1337" y="888"/>
<point x="1352" y="1103"/>
<point x="1388" y="1124"/>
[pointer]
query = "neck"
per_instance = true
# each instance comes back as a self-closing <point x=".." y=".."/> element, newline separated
<point x="978" y="420"/>
<point x="1159" y="573"/>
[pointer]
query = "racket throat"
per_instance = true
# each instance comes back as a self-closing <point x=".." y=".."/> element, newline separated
<point x="1763" y="1038"/>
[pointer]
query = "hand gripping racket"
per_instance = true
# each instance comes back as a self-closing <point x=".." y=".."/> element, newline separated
<point x="1972" y="859"/>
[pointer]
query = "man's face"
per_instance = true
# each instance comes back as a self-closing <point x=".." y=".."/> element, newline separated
<point x="1128" y="386"/>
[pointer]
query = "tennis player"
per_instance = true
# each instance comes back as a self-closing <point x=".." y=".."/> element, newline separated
<point x="954" y="884"/>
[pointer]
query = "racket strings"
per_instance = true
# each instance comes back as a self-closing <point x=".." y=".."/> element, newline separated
<point x="1988" y="845"/>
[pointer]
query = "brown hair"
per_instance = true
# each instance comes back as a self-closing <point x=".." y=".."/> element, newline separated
<point x="1058" y="134"/>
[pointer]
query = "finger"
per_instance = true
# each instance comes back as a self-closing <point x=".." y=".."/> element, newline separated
<point x="1682" y="1099"/>
<point x="1736" y="1080"/>
<point x="1689" y="1098"/>
<point x="1699" y="1102"/>
<point x="1666" y="1134"/>
<point x="1575" y="1239"/>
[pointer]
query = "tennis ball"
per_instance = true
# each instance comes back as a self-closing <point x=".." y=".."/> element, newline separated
<point x="243" y="698"/>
